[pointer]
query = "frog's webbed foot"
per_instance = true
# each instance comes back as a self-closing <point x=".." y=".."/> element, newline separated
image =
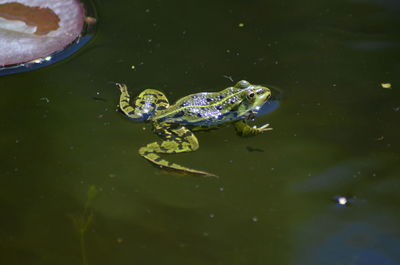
<point x="122" y="87"/>
<point x="176" y="140"/>
<point x="124" y="106"/>
<point x="243" y="129"/>
<point x="263" y="128"/>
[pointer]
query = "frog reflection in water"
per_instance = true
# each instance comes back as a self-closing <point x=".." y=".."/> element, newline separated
<point x="174" y="123"/>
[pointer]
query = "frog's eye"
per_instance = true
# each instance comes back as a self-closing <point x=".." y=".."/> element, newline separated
<point x="243" y="84"/>
<point x="250" y="96"/>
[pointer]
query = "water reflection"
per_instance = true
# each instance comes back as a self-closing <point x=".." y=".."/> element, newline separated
<point x="330" y="240"/>
<point x="362" y="233"/>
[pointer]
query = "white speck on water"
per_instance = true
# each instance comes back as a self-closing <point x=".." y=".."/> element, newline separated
<point x="45" y="99"/>
<point x="341" y="200"/>
<point x="212" y="215"/>
<point x="386" y="85"/>
<point x="221" y="188"/>
<point x="205" y="234"/>
<point x="120" y="240"/>
<point x="17" y="141"/>
<point x="254" y="219"/>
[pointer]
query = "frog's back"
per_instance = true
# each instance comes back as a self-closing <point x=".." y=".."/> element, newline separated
<point x="206" y="109"/>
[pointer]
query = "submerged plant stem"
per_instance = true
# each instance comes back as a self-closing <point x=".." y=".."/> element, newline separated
<point x="83" y="247"/>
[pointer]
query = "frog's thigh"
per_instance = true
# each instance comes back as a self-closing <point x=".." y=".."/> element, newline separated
<point x="175" y="140"/>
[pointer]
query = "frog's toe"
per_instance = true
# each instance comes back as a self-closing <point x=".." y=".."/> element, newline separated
<point x="122" y="87"/>
<point x="263" y="128"/>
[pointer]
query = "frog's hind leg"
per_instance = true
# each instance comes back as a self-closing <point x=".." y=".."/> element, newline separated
<point x="146" y="104"/>
<point x="176" y="140"/>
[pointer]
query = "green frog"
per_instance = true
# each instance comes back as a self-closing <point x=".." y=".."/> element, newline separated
<point x="175" y="124"/>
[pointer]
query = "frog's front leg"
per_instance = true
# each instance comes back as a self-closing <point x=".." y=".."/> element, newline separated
<point x="243" y="129"/>
<point x="146" y="104"/>
<point x="175" y="140"/>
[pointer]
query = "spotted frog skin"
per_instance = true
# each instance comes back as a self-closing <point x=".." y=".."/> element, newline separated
<point x="174" y="123"/>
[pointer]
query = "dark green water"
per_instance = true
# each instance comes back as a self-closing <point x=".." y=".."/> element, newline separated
<point x="336" y="133"/>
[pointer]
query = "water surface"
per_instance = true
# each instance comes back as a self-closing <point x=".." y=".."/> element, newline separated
<point x="276" y="201"/>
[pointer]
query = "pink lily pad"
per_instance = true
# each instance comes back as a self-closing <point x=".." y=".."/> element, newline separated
<point x="33" y="29"/>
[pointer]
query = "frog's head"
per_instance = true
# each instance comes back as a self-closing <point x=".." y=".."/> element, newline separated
<point x="253" y="97"/>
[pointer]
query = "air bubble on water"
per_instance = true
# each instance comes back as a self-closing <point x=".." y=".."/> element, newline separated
<point x="342" y="201"/>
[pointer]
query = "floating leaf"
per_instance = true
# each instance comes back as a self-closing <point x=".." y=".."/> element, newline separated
<point x="33" y="29"/>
